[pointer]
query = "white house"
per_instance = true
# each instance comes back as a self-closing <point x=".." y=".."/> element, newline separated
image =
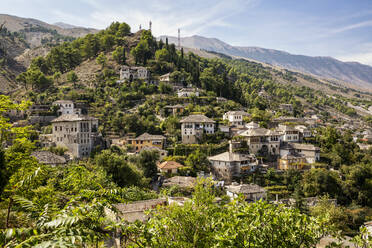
<point x="262" y="140"/>
<point x="75" y="132"/>
<point x="66" y="107"/>
<point x="231" y="164"/>
<point x="305" y="132"/>
<point x="130" y="73"/>
<point x="187" y="92"/>
<point x="235" y="117"/>
<point x="193" y="126"/>
<point x="251" y="192"/>
<point x="289" y="133"/>
<point x="309" y="151"/>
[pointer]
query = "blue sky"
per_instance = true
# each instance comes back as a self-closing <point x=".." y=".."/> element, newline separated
<point x="337" y="28"/>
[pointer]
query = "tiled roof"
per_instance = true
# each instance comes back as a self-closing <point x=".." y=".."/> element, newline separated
<point x="46" y="157"/>
<point x="180" y="181"/>
<point x="169" y="165"/>
<point x="147" y="136"/>
<point x="197" y="118"/>
<point x="73" y="117"/>
<point x="259" y="132"/>
<point x="238" y="112"/>
<point x="299" y="146"/>
<point x="230" y="157"/>
<point x="245" y="189"/>
<point x="63" y="102"/>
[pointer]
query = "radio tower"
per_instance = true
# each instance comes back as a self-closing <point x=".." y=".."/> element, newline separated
<point x="140" y="27"/>
<point x="179" y="39"/>
<point x="150" y="25"/>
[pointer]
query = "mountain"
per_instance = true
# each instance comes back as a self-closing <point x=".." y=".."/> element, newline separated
<point x="36" y="32"/>
<point x="326" y="67"/>
<point x="65" y="25"/>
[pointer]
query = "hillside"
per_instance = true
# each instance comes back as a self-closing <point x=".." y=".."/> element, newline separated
<point x="36" y="32"/>
<point x="327" y="67"/>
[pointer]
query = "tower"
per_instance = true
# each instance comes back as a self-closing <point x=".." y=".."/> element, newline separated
<point x="150" y="25"/>
<point x="179" y="39"/>
<point x="140" y="27"/>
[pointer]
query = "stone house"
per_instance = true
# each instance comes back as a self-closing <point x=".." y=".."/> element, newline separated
<point x="170" y="167"/>
<point x="251" y="192"/>
<point x="305" y="132"/>
<point x="49" y="158"/>
<point x="289" y="133"/>
<point x="235" y="117"/>
<point x="66" y="107"/>
<point x="75" y="132"/>
<point x="310" y="152"/>
<point x="180" y="181"/>
<point x="193" y="126"/>
<point x="174" y="109"/>
<point x="188" y="92"/>
<point x="130" y="73"/>
<point x="165" y="78"/>
<point x="147" y="140"/>
<point x="231" y="164"/>
<point x="292" y="162"/>
<point x="262" y="140"/>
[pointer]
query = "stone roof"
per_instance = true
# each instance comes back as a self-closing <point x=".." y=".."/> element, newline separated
<point x="188" y="90"/>
<point x="230" y="157"/>
<point x="132" y="67"/>
<point x="46" y="157"/>
<point x="286" y="128"/>
<point x="147" y="136"/>
<point x="245" y="189"/>
<point x="238" y="112"/>
<point x="180" y="181"/>
<point x="63" y="102"/>
<point x="292" y="156"/>
<point x="197" y="119"/>
<point x="300" y="146"/>
<point x="74" y="117"/>
<point x="166" y="165"/>
<point x="259" y="132"/>
<point x="252" y="124"/>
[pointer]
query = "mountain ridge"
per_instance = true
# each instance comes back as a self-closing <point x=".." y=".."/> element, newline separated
<point x="321" y="66"/>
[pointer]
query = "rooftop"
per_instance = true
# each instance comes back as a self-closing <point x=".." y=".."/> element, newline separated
<point x="300" y="146"/>
<point x="197" y="118"/>
<point x="238" y="112"/>
<point x="147" y="136"/>
<point x="180" y="181"/>
<point x="74" y="117"/>
<point x="259" y="132"/>
<point x="245" y="189"/>
<point x="63" y="102"/>
<point x="169" y="165"/>
<point x="231" y="157"/>
<point x="46" y="157"/>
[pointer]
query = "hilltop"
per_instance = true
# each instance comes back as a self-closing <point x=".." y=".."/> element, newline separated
<point x="326" y="67"/>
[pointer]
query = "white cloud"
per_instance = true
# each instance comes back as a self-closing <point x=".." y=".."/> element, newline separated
<point x="353" y="26"/>
<point x="167" y="16"/>
<point x="364" y="58"/>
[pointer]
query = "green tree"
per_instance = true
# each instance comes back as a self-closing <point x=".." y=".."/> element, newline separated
<point x="119" y="55"/>
<point x="141" y="52"/>
<point x="101" y="60"/>
<point x="72" y="77"/>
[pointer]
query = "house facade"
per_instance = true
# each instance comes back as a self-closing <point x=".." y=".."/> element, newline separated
<point x="292" y="162"/>
<point x="289" y="133"/>
<point x="231" y="164"/>
<point x="310" y="152"/>
<point x="251" y="192"/>
<point x="66" y="107"/>
<point x="187" y="92"/>
<point x="235" y="117"/>
<point x="130" y="73"/>
<point x="193" y="126"/>
<point x="147" y="140"/>
<point x="170" y="167"/>
<point x="262" y="140"/>
<point x="75" y="132"/>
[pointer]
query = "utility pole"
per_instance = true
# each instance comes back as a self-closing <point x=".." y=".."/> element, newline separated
<point x="150" y="25"/>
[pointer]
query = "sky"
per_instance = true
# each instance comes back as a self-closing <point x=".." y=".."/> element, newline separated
<point x="338" y="28"/>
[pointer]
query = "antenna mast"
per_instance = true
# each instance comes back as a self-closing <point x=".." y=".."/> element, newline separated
<point x="150" y="25"/>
